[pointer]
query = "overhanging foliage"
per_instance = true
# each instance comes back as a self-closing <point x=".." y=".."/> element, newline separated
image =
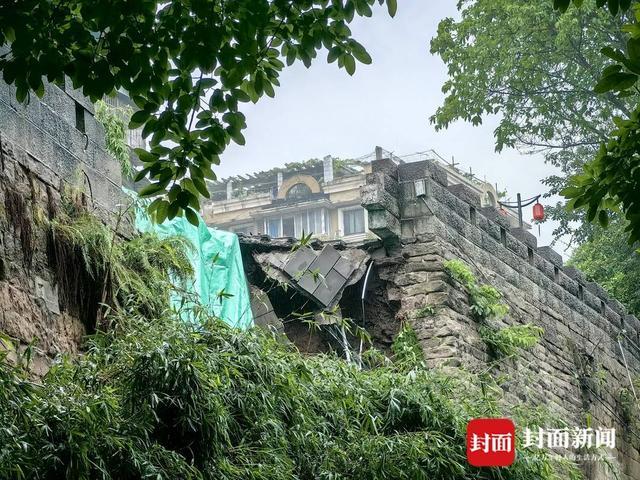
<point x="186" y="65"/>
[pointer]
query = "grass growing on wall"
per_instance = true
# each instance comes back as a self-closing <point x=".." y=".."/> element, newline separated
<point x="486" y="305"/>
<point x="114" y="120"/>
<point x="163" y="399"/>
<point x="94" y="266"/>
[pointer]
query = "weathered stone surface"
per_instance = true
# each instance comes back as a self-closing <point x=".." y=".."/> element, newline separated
<point x="41" y="150"/>
<point x="525" y="237"/>
<point x="263" y="314"/>
<point x="384" y="182"/>
<point x="575" y="274"/>
<point x="386" y="166"/>
<point x="465" y="194"/>
<point x="375" y="198"/>
<point x="409" y="172"/>
<point x="384" y="224"/>
<point x="494" y="216"/>
<point x="551" y="255"/>
<point x="581" y="323"/>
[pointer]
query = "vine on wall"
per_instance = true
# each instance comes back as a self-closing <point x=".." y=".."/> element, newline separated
<point x="486" y="305"/>
<point x="114" y="120"/>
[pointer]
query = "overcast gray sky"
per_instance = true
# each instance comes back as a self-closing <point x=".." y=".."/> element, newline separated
<point x="323" y="111"/>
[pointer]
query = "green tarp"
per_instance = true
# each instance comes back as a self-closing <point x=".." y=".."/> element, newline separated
<point x="219" y="284"/>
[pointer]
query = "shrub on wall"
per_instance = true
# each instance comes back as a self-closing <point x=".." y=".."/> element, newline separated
<point x="486" y="304"/>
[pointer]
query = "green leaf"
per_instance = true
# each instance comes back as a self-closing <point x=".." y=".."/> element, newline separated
<point x="151" y="190"/>
<point x="613" y="54"/>
<point x="616" y="81"/>
<point x="145" y="156"/>
<point x="603" y="218"/>
<point x="138" y="119"/>
<point x="349" y="64"/>
<point x="141" y="174"/>
<point x="172" y="210"/>
<point x="360" y="54"/>
<point x="333" y="54"/>
<point x="200" y="185"/>
<point x="192" y="217"/>
<point x="206" y="83"/>
<point x="392" y="7"/>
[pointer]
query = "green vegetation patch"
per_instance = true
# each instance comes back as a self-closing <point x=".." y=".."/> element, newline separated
<point x="168" y="399"/>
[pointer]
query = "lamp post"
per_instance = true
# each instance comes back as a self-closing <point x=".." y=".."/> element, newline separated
<point x="538" y="210"/>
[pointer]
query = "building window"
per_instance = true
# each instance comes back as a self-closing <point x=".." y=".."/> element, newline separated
<point x="298" y="191"/>
<point x="288" y="227"/>
<point x="294" y="225"/>
<point x="273" y="227"/>
<point x="353" y="221"/>
<point x="80" y="117"/>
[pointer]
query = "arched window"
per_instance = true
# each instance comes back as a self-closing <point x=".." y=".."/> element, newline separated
<point x="297" y="191"/>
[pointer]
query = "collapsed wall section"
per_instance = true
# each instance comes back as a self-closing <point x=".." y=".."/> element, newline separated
<point x="589" y="351"/>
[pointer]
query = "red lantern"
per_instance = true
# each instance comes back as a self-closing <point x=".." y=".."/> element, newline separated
<point x="538" y="212"/>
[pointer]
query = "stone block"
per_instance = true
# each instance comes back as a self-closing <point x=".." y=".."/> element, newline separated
<point x="48" y="293"/>
<point x="525" y="237"/>
<point x="493" y="215"/>
<point x="575" y="274"/>
<point x="263" y="314"/>
<point x="329" y="287"/>
<point x="450" y="202"/>
<point x="409" y="172"/>
<point x="344" y="267"/>
<point x="551" y="255"/>
<point x="386" y="166"/>
<point x="325" y="261"/>
<point x="517" y="247"/>
<point x="597" y="290"/>
<point x="375" y="198"/>
<point x="384" y="224"/>
<point x="545" y="267"/>
<point x="407" y="230"/>
<point x="464" y="193"/>
<point x="616" y="306"/>
<point x="385" y="182"/>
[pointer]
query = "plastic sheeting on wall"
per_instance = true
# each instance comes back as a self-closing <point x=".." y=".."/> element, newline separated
<point x="220" y="283"/>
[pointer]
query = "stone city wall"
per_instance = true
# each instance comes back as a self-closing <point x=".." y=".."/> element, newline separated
<point x="44" y="146"/>
<point x="577" y="372"/>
